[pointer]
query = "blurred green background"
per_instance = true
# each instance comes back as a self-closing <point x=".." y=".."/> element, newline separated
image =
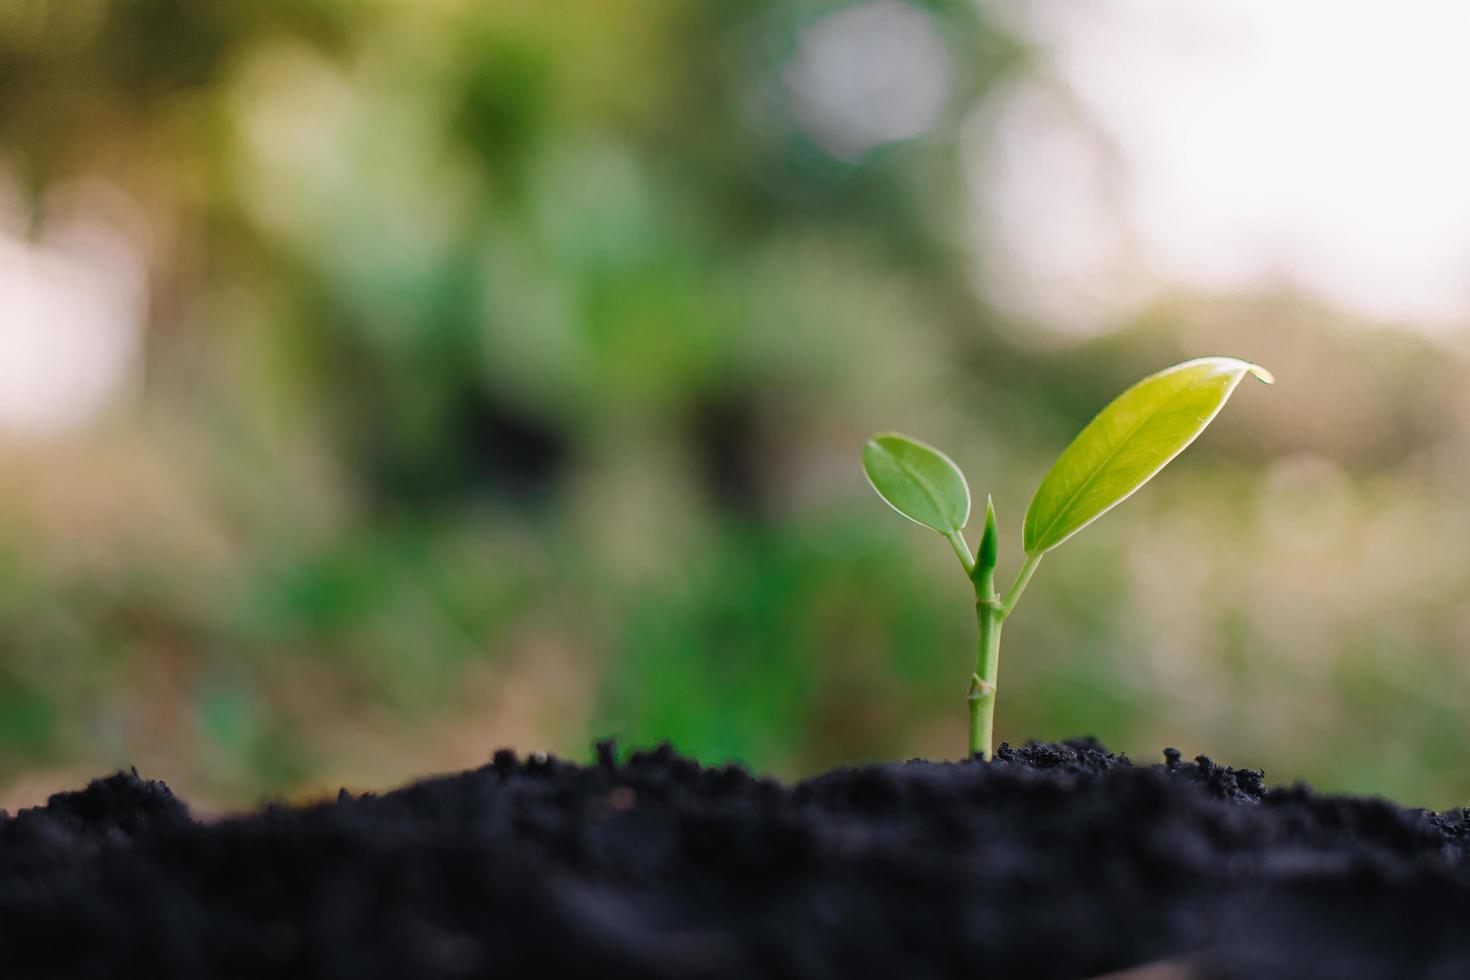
<point x="389" y="382"/>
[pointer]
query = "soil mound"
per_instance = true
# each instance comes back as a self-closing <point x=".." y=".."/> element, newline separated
<point x="1055" y="860"/>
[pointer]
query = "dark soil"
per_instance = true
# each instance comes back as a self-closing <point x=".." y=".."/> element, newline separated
<point x="1053" y="861"/>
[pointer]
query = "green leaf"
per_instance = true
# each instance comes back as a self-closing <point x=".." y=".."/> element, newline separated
<point x="1129" y="441"/>
<point x="918" y="481"/>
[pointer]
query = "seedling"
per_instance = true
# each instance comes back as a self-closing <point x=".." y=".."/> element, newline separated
<point x="1119" y="451"/>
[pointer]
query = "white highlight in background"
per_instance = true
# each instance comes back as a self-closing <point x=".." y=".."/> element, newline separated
<point x="872" y="74"/>
<point x="1231" y="144"/>
<point x="72" y="310"/>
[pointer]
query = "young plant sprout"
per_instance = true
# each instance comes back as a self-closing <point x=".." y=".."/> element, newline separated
<point x="1119" y="451"/>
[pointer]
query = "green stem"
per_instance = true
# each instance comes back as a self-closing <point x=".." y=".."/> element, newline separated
<point x="961" y="550"/>
<point x="991" y="611"/>
<point x="983" y="681"/>
<point x="987" y="663"/>
<point x="987" y="660"/>
<point x="1023" y="578"/>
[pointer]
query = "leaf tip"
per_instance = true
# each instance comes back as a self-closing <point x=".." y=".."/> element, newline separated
<point x="990" y="539"/>
<point x="1261" y="374"/>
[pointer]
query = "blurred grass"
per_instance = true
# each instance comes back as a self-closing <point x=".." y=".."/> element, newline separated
<point x="504" y="383"/>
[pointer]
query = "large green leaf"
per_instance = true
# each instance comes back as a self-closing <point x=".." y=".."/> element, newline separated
<point x="918" y="481"/>
<point x="1129" y="441"/>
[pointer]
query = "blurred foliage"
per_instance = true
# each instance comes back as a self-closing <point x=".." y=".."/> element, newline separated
<point x="505" y="381"/>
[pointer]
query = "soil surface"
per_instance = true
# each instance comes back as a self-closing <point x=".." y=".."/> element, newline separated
<point x="1052" y="861"/>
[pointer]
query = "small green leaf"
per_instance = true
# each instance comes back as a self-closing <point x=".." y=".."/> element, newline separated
<point x="918" y="481"/>
<point x="1129" y="441"/>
